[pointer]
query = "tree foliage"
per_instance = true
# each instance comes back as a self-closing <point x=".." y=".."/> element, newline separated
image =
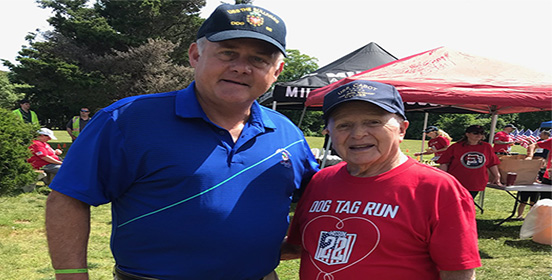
<point x="15" y="137"/>
<point x="297" y="65"/>
<point x="10" y="93"/>
<point x="99" y="53"/>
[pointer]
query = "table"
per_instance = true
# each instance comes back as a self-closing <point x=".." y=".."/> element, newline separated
<point x="535" y="187"/>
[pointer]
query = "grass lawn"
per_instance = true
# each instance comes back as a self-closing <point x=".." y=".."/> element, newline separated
<point x="24" y="253"/>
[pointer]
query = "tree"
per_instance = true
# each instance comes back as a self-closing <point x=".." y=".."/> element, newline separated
<point x="297" y="65"/>
<point x="65" y="72"/>
<point x="15" y="137"/>
<point x="10" y="93"/>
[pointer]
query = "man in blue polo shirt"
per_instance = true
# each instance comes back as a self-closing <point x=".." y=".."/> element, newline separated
<point x="200" y="180"/>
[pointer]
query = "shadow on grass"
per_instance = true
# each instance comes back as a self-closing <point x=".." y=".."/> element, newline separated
<point x="528" y="244"/>
<point x="490" y="229"/>
<point x="484" y="255"/>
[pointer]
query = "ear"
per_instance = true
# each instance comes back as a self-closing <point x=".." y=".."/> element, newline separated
<point x="402" y="129"/>
<point x="193" y="54"/>
<point x="279" y="69"/>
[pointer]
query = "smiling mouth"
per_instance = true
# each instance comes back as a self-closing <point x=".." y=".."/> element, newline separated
<point x="235" y="82"/>
<point x="361" y="147"/>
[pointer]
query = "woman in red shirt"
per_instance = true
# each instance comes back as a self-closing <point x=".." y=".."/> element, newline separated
<point x="438" y="143"/>
<point x="470" y="160"/>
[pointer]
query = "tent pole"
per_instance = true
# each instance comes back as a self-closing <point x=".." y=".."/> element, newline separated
<point x="326" y="152"/>
<point x="494" y="118"/>
<point x="302" y="116"/>
<point x="274" y="105"/>
<point x="424" y="136"/>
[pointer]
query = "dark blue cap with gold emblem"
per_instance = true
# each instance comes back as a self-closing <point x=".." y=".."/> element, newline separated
<point x="244" y="21"/>
<point x="382" y="95"/>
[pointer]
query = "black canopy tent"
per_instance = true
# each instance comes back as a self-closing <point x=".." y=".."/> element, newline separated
<point x="292" y="95"/>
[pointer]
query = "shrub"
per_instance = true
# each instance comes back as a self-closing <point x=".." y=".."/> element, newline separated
<point x="15" y="138"/>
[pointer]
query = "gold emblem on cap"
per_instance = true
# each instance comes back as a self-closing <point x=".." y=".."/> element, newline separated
<point x="255" y="19"/>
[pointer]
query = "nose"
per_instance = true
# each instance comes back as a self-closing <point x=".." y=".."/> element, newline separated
<point x="241" y="65"/>
<point x="359" y="131"/>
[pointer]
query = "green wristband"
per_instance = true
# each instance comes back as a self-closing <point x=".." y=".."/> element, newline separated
<point x="74" y="270"/>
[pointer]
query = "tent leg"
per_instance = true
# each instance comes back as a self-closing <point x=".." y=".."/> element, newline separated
<point x="494" y="118"/>
<point x="302" y="116"/>
<point x="274" y="105"/>
<point x="326" y="152"/>
<point x="424" y="136"/>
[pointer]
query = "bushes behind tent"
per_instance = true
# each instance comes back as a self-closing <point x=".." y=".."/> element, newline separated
<point x="15" y="138"/>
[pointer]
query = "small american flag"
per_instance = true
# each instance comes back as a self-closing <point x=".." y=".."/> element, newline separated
<point x="529" y="137"/>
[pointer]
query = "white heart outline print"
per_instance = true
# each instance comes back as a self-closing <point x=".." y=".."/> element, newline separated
<point x="339" y="225"/>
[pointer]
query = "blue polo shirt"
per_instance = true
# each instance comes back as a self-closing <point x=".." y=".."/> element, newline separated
<point x="188" y="202"/>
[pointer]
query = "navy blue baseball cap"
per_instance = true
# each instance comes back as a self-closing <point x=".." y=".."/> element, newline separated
<point x="431" y="128"/>
<point x="382" y="95"/>
<point x="244" y="21"/>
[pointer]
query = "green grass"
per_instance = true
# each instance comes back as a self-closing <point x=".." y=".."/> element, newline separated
<point x="24" y="253"/>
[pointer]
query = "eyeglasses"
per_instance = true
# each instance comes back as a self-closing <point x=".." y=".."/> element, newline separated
<point x="85" y="111"/>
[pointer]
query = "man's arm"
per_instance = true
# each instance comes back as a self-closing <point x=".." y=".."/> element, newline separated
<point x="67" y="229"/>
<point x="531" y="151"/>
<point x="50" y="159"/>
<point x="468" y="274"/>
<point x="495" y="175"/>
<point x="70" y="132"/>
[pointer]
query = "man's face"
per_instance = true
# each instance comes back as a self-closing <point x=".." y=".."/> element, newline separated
<point x="234" y="71"/>
<point x="84" y="112"/>
<point x="366" y="136"/>
<point x="26" y="106"/>
<point x="509" y="129"/>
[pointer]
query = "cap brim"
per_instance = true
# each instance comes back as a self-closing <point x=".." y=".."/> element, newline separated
<point x="237" y="34"/>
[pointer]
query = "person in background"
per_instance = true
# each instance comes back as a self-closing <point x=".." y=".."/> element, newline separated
<point x="470" y="160"/>
<point x="530" y="198"/>
<point x="439" y="141"/>
<point x="25" y="113"/>
<point x="503" y="141"/>
<point x="547" y="145"/>
<point x="43" y="156"/>
<point x="542" y="153"/>
<point x="380" y="214"/>
<point x="77" y="123"/>
<point x="200" y="180"/>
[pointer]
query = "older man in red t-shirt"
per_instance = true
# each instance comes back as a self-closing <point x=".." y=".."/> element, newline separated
<point x="503" y="141"/>
<point x="44" y="157"/>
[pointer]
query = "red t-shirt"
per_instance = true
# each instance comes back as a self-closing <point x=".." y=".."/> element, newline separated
<point x="438" y="143"/>
<point x="546" y="144"/>
<point x="407" y="223"/>
<point x="469" y="163"/>
<point x="40" y="149"/>
<point x="504" y="137"/>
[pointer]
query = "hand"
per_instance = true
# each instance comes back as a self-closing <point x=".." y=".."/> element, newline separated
<point x="528" y="158"/>
<point x="58" y="152"/>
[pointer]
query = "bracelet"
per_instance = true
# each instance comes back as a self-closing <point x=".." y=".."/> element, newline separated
<point x="74" y="270"/>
